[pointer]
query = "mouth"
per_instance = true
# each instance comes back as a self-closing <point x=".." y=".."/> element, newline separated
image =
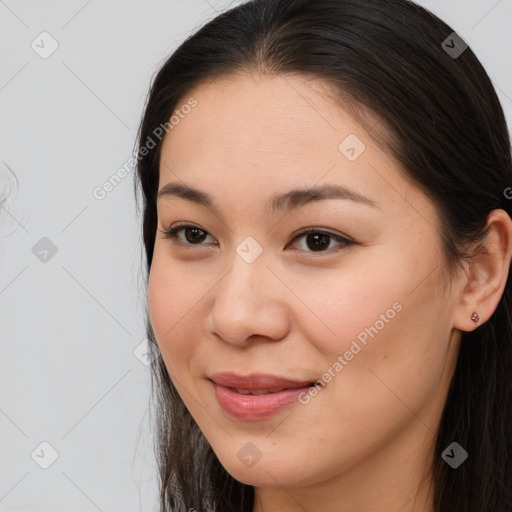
<point x="264" y="382"/>
<point x="257" y="397"/>
<point x="257" y="392"/>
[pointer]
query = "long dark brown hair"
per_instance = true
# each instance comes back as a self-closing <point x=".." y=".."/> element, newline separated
<point x="440" y="118"/>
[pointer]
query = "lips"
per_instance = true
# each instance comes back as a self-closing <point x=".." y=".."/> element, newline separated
<point x="258" y="383"/>
<point x="258" y="396"/>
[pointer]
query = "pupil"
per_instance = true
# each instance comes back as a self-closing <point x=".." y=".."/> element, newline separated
<point x="196" y="231"/>
<point x="317" y="246"/>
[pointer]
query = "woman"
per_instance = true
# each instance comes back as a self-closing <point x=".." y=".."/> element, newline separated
<point x="328" y="239"/>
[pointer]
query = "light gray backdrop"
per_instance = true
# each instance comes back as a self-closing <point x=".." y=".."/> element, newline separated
<point x="74" y="382"/>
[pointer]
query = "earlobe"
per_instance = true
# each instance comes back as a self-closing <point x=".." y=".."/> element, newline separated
<point x="487" y="274"/>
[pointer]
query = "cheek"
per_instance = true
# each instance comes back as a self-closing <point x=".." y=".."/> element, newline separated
<point x="172" y="291"/>
<point x="382" y="325"/>
<point x="170" y="308"/>
<point x="392" y="344"/>
<point x="345" y="307"/>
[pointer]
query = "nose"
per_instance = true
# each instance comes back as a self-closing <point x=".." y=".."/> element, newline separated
<point x="250" y="302"/>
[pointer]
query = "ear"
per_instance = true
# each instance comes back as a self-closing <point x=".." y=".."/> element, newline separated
<point x="487" y="273"/>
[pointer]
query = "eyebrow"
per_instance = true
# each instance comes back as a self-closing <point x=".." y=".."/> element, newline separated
<point x="278" y="202"/>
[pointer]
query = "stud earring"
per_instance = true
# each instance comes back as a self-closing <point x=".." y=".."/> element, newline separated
<point x="475" y="318"/>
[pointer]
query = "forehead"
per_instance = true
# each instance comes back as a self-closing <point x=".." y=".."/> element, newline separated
<point x="247" y="122"/>
<point x="267" y="114"/>
<point x="258" y="135"/>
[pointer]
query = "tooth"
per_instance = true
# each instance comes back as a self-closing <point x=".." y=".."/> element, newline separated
<point x="259" y="392"/>
<point x="265" y="391"/>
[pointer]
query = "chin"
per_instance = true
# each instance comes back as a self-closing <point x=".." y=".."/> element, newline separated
<point x="264" y="473"/>
<point x="262" y="477"/>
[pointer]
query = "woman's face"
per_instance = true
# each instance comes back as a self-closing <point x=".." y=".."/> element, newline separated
<point x="246" y="292"/>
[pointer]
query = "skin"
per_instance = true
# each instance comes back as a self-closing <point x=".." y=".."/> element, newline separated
<point x="364" y="442"/>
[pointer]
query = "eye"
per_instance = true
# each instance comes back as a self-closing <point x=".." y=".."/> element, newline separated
<point x="196" y="234"/>
<point x="317" y="240"/>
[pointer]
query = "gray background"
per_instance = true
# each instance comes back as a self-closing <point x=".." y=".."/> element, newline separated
<point x="72" y="370"/>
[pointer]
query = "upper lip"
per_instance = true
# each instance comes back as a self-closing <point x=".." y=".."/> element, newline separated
<point x="257" y="381"/>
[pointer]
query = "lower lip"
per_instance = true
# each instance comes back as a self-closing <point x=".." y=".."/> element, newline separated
<point x="256" y="407"/>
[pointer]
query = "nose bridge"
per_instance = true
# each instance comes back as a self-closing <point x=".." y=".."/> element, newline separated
<point x="246" y="302"/>
<point x="248" y="270"/>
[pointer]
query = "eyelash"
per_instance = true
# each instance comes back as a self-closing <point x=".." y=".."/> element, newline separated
<point x="172" y="234"/>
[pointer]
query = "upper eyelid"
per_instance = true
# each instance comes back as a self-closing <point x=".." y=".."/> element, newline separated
<point x="299" y="232"/>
